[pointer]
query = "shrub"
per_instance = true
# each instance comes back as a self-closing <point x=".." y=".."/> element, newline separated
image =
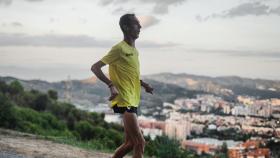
<point x="53" y="94"/>
<point x="41" y="102"/>
<point x="7" y="115"/>
<point x="15" y="88"/>
<point x="85" y="130"/>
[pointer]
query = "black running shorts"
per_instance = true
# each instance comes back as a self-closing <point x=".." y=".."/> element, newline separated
<point x="121" y="110"/>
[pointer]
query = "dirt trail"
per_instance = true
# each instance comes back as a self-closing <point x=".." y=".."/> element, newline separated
<point x="20" y="145"/>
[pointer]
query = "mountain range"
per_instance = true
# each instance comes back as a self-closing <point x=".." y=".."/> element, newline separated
<point x="167" y="87"/>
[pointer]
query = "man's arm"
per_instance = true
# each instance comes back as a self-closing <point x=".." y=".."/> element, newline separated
<point x="96" y="69"/>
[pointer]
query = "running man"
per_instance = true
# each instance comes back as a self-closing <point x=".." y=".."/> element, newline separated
<point x="125" y="85"/>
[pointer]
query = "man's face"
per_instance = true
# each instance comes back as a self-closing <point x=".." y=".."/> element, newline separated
<point x="134" y="28"/>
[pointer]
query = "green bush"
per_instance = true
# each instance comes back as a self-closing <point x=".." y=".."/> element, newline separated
<point x="41" y="102"/>
<point x="85" y="130"/>
<point x="39" y="113"/>
<point x="4" y="88"/>
<point x="15" y="88"/>
<point x="53" y="94"/>
<point x="164" y="147"/>
<point x="7" y="115"/>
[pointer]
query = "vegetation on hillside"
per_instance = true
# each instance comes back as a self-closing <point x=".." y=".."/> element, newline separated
<point x="41" y="114"/>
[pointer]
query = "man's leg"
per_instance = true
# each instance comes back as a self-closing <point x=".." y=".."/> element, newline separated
<point x="134" y="134"/>
<point x="125" y="148"/>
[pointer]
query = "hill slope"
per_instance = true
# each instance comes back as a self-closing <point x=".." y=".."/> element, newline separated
<point x="21" y="145"/>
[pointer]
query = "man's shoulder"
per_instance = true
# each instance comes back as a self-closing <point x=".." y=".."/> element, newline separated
<point x="118" y="46"/>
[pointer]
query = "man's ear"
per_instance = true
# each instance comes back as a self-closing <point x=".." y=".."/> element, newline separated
<point x="125" y="27"/>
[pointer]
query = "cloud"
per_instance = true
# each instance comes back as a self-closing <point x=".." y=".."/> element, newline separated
<point x="159" y="6"/>
<point x="9" y="2"/>
<point x="121" y="11"/>
<point x="150" y="44"/>
<point x="105" y="2"/>
<point x="275" y="11"/>
<point x="16" y="24"/>
<point x="6" y="2"/>
<point x="50" y="40"/>
<point x="256" y="9"/>
<point x="162" y="6"/>
<point x="241" y="53"/>
<point x="147" y="21"/>
<point x="67" y="41"/>
<point x="33" y="0"/>
<point x="244" y="9"/>
<point x="13" y="24"/>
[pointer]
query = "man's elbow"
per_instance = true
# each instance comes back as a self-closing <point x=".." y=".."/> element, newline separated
<point x="94" y="68"/>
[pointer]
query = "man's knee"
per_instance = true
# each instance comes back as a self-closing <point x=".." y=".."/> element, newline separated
<point x="129" y="145"/>
<point x="139" y="145"/>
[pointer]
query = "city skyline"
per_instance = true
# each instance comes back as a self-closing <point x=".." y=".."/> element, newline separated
<point x="49" y="40"/>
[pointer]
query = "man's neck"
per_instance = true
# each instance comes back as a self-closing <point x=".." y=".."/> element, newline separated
<point x="129" y="41"/>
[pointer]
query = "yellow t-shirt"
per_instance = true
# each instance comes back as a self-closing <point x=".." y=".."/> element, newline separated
<point x="124" y="72"/>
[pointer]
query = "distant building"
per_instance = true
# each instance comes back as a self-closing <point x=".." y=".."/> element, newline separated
<point x="197" y="128"/>
<point x="246" y="100"/>
<point x="206" y="145"/>
<point x="249" y="149"/>
<point x="240" y="110"/>
<point x="151" y="127"/>
<point x="275" y="111"/>
<point x="275" y="102"/>
<point x="226" y="109"/>
<point x="199" y="148"/>
<point x="177" y="129"/>
<point x="259" y="153"/>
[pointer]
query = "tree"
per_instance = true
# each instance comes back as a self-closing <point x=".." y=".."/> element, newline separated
<point x="53" y="94"/>
<point x="41" y="102"/>
<point x="85" y="130"/>
<point x="16" y="88"/>
<point x="167" y="148"/>
<point x="3" y="87"/>
<point x="224" y="148"/>
<point x="7" y="115"/>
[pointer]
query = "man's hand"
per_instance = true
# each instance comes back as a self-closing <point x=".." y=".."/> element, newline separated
<point x="114" y="92"/>
<point x="147" y="87"/>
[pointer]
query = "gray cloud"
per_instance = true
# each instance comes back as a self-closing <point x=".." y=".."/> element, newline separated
<point x="67" y="41"/>
<point x="160" y="6"/>
<point x="33" y="0"/>
<point x="275" y="11"/>
<point x="241" y="53"/>
<point x="16" y="24"/>
<point x="150" y="44"/>
<point x="256" y="9"/>
<point x="9" y="2"/>
<point x="105" y="2"/>
<point x="13" y="24"/>
<point x="50" y="40"/>
<point x="148" y="21"/>
<point x="121" y="10"/>
<point x="5" y="2"/>
<point x="244" y="9"/>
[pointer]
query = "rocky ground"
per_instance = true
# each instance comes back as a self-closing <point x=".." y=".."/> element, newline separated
<point x="21" y="145"/>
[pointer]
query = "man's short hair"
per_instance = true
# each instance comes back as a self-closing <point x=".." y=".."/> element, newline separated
<point x="125" y="20"/>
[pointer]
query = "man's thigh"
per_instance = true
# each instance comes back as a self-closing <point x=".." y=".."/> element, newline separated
<point x="131" y="127"/>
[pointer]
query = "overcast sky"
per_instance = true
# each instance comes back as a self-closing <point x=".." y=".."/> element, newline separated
<point x="51" y="39"/>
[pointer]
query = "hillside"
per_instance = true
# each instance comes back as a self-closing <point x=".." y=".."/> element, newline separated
<point x="231" y="85"/>
<point x="41" y="114"/>
<point x="15" y="144"/>
<point x="90" y="92"/>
